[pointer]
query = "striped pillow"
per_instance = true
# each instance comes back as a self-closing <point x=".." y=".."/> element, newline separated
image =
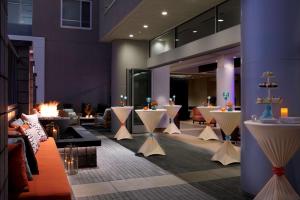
<point x="39" y="129"/>
<point x="33" y="138"/>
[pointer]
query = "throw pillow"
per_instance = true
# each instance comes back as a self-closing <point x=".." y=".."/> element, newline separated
<point x="30" y="118"/>
<point x="16" y="123"/>
<point x="17" y="178"/>
<point x="19" y="140"/>
<point x="39" y="129"/>
<point x="32" y="162"/>
<point x="33" y="138"/>
<point x="13" y="133"/>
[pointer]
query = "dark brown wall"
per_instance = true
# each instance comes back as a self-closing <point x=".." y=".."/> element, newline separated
<point x="77" y="65"/>
<point x="3" y="99"/>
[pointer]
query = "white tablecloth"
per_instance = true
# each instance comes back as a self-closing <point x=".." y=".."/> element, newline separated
<point x="228" y="121"/>
<point x="151" y="119"/>
<point x="122" y="114"/>
<point x="172" y="111"/>
<point x="207" y="133"/>
<point x="279" y="142"/>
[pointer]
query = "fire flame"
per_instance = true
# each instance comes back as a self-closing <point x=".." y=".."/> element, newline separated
<point x="49" y="109"/>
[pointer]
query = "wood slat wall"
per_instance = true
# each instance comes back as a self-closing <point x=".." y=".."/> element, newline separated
<point x="3" y="99"/>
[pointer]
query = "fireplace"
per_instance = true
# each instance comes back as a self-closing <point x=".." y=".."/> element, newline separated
<point x="48" y="109"/>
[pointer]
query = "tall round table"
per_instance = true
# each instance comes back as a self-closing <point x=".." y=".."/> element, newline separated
<point x="172" y="111"/>
<point x="151" y="118"/>
<point x="122" y="114"/>
<point x="279" y="142"/>
<point x="228" y="121"/>
<point x="208" y="133"/>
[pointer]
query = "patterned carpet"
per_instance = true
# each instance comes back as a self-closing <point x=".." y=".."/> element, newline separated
<point x="186" y="172"/>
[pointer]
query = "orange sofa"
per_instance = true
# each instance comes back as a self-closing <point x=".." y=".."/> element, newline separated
<point x="51" y="183"/>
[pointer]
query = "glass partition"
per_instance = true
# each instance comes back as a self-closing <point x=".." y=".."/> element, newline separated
<point x="163" y="43"/>
<point x="198" y="27"/>
<point x="228" y="14"/>
<point x="218" y="18"/>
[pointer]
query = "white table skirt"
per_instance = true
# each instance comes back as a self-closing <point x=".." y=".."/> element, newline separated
<point x="151" y="119"/>
<point x="172" y="111"/>
<point x="279" y="142"/>
<point x="122" y="114"/>
<point x="228" y="121"/>
<point x="208" y="133"/>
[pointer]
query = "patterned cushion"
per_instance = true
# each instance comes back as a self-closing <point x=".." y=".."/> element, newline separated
<point x="33" y="138"/>
<point x="39" y="130"/>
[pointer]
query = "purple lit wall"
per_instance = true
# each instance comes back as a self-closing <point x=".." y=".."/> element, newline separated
<point x="270" y="42"/>
<point x="77" y="65"/>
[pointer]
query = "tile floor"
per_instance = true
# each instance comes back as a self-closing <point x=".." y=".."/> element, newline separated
<point x="123" y="175"/>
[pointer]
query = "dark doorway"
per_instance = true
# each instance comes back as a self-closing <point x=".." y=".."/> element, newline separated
<point x="180" y="88"/>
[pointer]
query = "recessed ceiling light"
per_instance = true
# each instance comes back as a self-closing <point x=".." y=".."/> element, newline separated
<point x="145" y="26"/>
<point x="160" y="39"/>
<point x="194" y="31"/>
<point x="164" y="13"/>
<point x="177" y="40"/>
<point x="131" y="35"/>
<point x="234" y="57"/>
<point x="220" y="20"/>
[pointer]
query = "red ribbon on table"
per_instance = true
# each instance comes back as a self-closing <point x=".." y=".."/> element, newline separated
<point x="279" y="171"/>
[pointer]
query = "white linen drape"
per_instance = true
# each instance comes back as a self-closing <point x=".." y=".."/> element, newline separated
<point x="279" y="142"/>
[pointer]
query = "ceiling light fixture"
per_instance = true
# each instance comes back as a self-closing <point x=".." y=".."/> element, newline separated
<point x="195" y="31"/>
<point x="177" y="40"/>
<point x="131" y="35"/>
<point x="220" y="20"/>
<point x="164" y="13"/>
<point x="145" y="26"/>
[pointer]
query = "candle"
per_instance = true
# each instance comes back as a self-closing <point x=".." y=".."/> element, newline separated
<point x="208" y="101"/>
<point x="284" y="112"/>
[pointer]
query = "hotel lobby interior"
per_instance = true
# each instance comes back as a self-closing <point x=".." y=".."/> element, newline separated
<point x="149" y="99"/>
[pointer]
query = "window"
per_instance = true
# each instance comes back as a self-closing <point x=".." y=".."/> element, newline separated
<point x="76" y="14"/>
<point x="20" y="12"/>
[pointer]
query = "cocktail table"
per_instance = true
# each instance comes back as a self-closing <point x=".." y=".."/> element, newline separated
<point x="279" y="142"/>
<point x="208" y="133"/>
<point x="228" y="121"/>
<point x="122" y="113"/>
<point x="151" y="118"/>
<point x="172" y="111"/>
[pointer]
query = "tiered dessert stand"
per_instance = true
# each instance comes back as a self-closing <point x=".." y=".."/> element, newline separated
<point x="269" y="100"/>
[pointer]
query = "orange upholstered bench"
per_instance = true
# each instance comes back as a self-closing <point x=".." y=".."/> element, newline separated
<point x="51" y="183"/>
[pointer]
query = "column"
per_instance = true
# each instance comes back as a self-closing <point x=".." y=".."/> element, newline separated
<point x="225" y="79"/>
<point x="126" y="54"/>
<point x="161" y="90"/>
<point x="270" y="42"/>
